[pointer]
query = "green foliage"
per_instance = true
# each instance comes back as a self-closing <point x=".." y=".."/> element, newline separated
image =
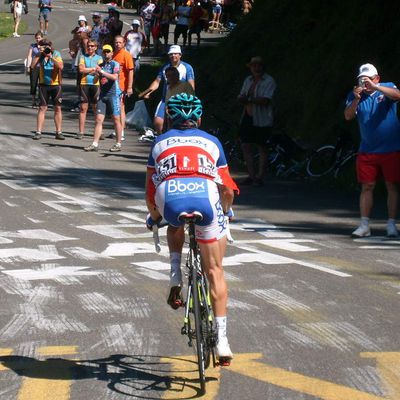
<point x="313" y="50"/>
<point x="6" y="25"/>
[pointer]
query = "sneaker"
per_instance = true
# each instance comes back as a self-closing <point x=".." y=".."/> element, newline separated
<point x="79" y="136"/>
<point x="361" y="231"/>
<point x="111" y="135"/>
<point x="60" y="136"/>
<point x="224" y="353"/>
<point x="91" y="148"/>
<point x="174" y="299"/>
<point x="37" y="136"/>
<point x="76" y="109"/>
<point x="391" y="231"/>
<point x="116" y="147"/>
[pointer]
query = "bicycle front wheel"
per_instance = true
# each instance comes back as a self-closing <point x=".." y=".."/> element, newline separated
<point x="200" y="342"/>
<point x="321" y="162"/>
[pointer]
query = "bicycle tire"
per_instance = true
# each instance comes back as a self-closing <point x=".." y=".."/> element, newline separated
<point x="322" y="162"/>
<point x="345" y="166"/>
<point x="200" y="343"/>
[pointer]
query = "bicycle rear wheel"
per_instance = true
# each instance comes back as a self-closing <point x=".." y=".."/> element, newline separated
<point x="200" y="342"/>
<point x="322" y="161"/>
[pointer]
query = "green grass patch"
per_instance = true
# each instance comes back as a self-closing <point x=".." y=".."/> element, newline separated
<point x="7" y="25"/>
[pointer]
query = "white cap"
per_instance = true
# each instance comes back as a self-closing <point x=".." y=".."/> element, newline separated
<point x="96" y="14"/>
<point x="136" y="22"/>
<point x="367" y="70"/>
<point x="82" y="18"/>
<point x="175" y="49"/>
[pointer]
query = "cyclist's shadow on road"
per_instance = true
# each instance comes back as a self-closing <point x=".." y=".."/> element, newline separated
<point x="143" y="377"/>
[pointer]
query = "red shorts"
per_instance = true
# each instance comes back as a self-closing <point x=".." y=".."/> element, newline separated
<point x="371" y="166"/>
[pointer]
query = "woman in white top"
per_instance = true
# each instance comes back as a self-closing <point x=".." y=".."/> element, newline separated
<point x="17" y="12"/>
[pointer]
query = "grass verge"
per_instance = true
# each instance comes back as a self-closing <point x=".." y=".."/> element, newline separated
<point x="7" y="25"/>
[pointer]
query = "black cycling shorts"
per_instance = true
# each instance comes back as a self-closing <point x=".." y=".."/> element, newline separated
<point x="50" y="91"/>
<point x="89" y="94"/>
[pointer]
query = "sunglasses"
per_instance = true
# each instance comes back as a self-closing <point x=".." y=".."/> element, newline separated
<point x="92" y="45"/>
<point x="106" y="51"/>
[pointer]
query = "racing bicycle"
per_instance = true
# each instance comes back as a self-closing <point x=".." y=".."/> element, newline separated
<point x="198" y="323"/>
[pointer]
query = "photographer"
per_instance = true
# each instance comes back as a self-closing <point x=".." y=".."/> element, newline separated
<point x="50" y="68"/>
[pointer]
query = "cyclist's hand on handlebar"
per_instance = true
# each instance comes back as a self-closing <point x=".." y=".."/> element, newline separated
<point x="230" y="214"/>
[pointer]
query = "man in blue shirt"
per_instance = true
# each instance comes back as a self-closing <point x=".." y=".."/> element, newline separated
<point x="374" y="105"/>
<point x="186" y="73"/>
<point x="45" y="9"/>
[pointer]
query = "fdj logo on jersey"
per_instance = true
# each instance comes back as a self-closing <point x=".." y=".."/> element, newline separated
<point x="188" y="187"/>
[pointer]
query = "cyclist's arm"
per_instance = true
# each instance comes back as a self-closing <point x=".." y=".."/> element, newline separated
<point x="226" y="196"/>
<point x="153" y="86"/>
<point x="150" y="193"/>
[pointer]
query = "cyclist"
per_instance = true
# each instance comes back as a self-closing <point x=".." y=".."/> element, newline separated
<point x="187" y="172"/>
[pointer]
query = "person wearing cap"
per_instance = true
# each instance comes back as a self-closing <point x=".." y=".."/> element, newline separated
<point x="186" y="73"/>
<point x="135" y="40"/>
<point x="256" y="121"/>
<point x="108" y="73"/>
<point x="77" y="45"/>
<point x="374" y="104"/>
<point x="95" y="33"/>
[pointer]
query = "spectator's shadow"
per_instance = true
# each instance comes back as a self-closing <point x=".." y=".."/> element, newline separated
<point x="138" y="376"/>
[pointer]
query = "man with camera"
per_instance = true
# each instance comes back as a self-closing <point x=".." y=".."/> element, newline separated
<point x="50" y="69"/>
<point x="375" y="105"/>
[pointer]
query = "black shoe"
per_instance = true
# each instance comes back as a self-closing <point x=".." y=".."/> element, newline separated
<point x="37" y="136"/>
<point x="60" y="136"/>
<point x="174" y="298"/>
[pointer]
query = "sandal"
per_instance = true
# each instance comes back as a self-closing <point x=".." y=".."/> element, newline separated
<point x="174" y="298"/>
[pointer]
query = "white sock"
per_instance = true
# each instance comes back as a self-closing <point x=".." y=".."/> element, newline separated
<point x="364" y="221"/>
<point x="95" y="144"/>
<point x="175" y="274"/>
<point x="221" y="327"/>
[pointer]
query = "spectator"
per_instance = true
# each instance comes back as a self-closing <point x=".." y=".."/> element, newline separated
<point x="135" y="40"/>
<point x="182" y="24"/>
<point x="95" y="33"/>
<point x="17" y="8"/>
<point x="186" y="73"/>
<point x="257" y="118"/>
<point x="114" y="24"/>
<point x="78" y="44"/>
<point x="89" y="88"/>
<point x="375" y="105"/>
<point x="126" y="75"/>
<point x="45" y="8"/>
<point x="51" y="66"/>
<point x="216" y="14"/>
<point x="109" y="97"/>
<point x="167" y="16"/>
<point x="196" y="23"/>
<point x="34" y="51"/>
<point x="146" y="13"/>
<point x="156" y="28"/>
<point x="176" y="86"/>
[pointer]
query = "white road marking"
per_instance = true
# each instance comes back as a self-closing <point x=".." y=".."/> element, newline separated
<point x="11" y="62"/>
<point x="128" y="249"/>
<point x="116" y="231"/>
<point x="279" y="299"/>
<point x="36" y="234"/>
<point x="56" y="273"/>
<point x="26" y="254"/>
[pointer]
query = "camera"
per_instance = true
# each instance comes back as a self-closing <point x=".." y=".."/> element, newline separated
<point x="361" y="83"/>
<point x="47" y="50"/>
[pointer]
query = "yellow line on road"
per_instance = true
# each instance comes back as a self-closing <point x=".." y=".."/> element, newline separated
<point x="185" y="379"/>
<point x="5" y="352"/>
<point x="246" y="365"/>
<point x="388" y="364"/>
<point x="48" y="379"/>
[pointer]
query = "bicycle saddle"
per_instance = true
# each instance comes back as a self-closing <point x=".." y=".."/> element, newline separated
<point x="195" y="216"/>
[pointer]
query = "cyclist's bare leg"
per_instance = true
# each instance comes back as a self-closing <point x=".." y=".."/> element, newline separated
<point x="175" y="240"/>
<point x="212" y="255"/>
<point x="58" y="117"/>
<point x="366" y="199"/>
<point x="392" y="199"/>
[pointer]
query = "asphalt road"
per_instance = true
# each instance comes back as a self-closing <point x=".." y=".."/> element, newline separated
<point x="313" y="314"/>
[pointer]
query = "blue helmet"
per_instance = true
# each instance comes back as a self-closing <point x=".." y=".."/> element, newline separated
<point x="183" y="108"/>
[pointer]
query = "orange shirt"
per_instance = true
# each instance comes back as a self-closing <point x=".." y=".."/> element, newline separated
<point x="125" y="60"/>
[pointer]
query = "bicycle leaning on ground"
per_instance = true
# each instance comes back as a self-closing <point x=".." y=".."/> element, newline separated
<point x="198" y="324"/>
<point x="332" y="159"/>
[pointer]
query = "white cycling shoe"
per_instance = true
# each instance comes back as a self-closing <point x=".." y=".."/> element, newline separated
<point x="224" y="353"/>
<point x="391" y="231"/>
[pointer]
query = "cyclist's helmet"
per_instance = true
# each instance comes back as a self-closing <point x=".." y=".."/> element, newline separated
<point x="184" y="109"/>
